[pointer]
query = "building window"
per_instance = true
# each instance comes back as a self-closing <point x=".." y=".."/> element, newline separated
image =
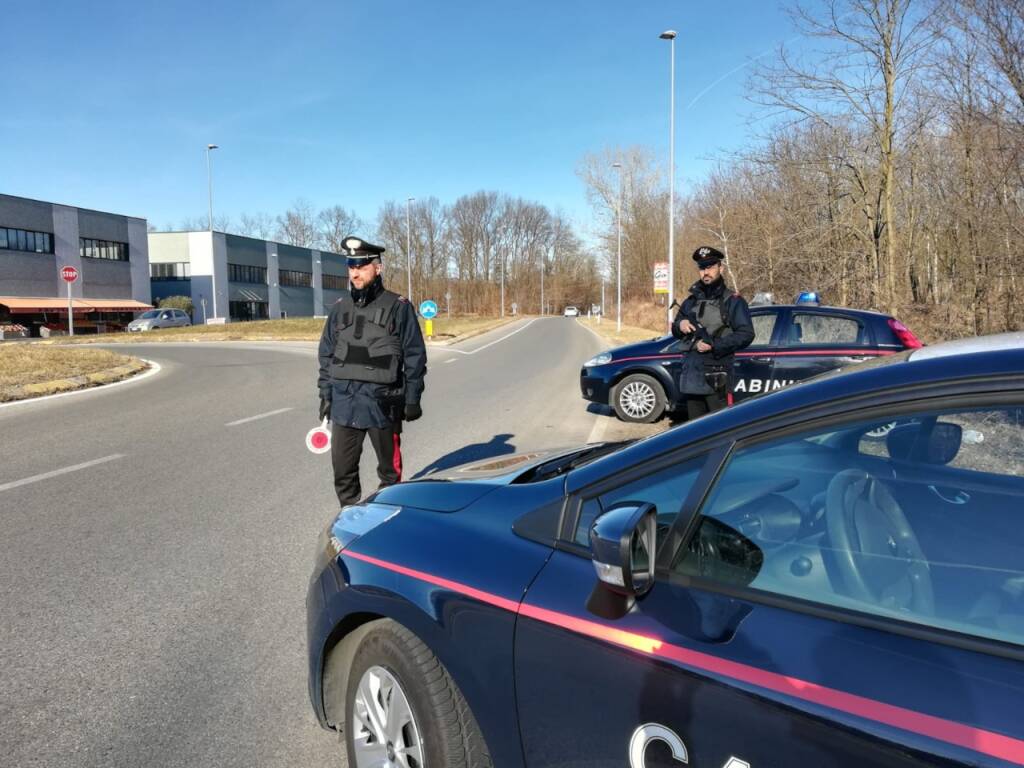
<point x="90" y="248"/>
<point x="248" y="310"/>
<point x="299" y="279"/>
<point x="179" y="270"/>
<point x="242" y="273"/>
<point x="25" y="240"/>
<point x="335" y="282"/>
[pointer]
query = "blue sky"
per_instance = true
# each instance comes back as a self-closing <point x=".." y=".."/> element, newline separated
<point x="109" y="105"/>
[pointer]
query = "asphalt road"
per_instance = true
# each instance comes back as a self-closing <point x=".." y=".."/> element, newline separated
<point x="159" y="538"/>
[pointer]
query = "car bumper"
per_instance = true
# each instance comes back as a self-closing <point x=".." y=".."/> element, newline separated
<point x="594" y="388"/>
<point x="319" y="625"/>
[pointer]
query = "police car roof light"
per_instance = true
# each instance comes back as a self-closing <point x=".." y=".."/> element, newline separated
<point x="808" y="297"/>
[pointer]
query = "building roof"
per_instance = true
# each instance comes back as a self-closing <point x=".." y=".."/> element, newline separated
<point x="29" y="304"/>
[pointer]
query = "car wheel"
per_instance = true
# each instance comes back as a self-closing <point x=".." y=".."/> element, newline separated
<point x="639" y="399"/>
<point x="404" y="709"/>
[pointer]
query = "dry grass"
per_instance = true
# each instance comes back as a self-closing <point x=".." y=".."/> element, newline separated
<point x="31" y="370"/>
<point x="628" y="335"/>
<point x="290" y="329"/>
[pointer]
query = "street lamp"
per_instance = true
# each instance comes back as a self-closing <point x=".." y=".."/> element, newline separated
<point x="209" y="189"/>
<point x="618" y="269"/>
<point x="408" y="245"/>
<point x="670" y="35"/>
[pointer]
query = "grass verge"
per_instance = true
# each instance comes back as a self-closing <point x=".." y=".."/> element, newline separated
<point x="628" y="335"/>
<point x="34" y="370"/>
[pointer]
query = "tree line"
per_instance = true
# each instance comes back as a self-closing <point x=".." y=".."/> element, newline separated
<point x="482" y="253"/>
<point x="891" y="176"/>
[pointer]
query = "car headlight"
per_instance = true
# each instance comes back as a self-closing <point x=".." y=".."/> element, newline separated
<point x="351" y="523"/>
<point x="603" y="359"/>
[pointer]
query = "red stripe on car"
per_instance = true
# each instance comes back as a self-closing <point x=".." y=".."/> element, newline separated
<point x="948" y="731"/>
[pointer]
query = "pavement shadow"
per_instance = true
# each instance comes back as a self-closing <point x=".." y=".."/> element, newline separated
<point x="498" y="445"/>
<point x="600" y="409"/>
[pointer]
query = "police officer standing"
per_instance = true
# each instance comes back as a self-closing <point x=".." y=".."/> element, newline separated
<point x="372" y="365"/>
<point x="716" y="323"/>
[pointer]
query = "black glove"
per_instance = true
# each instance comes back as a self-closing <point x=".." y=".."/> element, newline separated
<point x="325" y="408"/>
<point x="412" y="411"/>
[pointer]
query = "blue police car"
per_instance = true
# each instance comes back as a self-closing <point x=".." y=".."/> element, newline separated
<point x="791" y="343"/>
<point x="763" y="586"/>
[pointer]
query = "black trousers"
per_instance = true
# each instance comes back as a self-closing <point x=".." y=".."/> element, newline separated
<point x="346" y="450"/>
<point x="699" y="405"/>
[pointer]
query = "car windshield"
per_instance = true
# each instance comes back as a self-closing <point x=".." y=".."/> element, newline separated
<point x="149" y="315"/>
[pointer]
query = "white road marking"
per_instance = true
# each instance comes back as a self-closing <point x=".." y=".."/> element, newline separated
<point x="153" y="370"/>
<point x="491" y="344"/>
<point x="451" y="360"/>
<point x="260" y="416"/>
<point x="58" y="472"/>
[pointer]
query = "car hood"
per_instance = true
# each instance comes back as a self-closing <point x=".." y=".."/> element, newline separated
<point x="649" y="347"/>
<point x="451" y="489"/>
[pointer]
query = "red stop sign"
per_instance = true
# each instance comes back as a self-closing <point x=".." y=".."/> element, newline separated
<point x="69" y="274"/>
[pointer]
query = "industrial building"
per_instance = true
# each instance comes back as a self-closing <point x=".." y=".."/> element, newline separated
<point x="232" y="278"/>
<point x="38" y="239"/>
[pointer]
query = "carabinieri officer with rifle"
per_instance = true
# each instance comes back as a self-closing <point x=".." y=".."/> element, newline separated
<point x="716" y="323"/>
<point x="372" y="365"/>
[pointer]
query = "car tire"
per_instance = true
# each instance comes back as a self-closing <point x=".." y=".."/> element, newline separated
<point x="392" y="664"/>
<point x="639" y="399"/>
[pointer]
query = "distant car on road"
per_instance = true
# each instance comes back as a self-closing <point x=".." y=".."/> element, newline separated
<point x="159" y="318"/>
<point x="571" y="311"/>
<point x="764" y="586"/>
<point x="791" y="343"/>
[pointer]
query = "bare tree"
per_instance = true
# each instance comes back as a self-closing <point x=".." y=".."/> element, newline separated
<point x="259" y="225"/>
<point x="297" y="225"/>
<point x="334" y="224"/>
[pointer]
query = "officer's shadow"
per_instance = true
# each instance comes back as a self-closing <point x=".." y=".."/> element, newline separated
<point x="496" y="446"/>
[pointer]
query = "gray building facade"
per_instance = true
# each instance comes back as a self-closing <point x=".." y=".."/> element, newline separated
<point x="37" y="239"/>
<point x="255" y="279"/>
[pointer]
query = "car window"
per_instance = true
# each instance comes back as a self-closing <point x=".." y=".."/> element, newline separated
<point x="918" y="518"/>
<point x="666" y="489"/>
<point x="764" y="326"/>
<point x="811" y="328"/>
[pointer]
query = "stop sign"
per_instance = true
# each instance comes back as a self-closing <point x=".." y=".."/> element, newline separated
<point x="69" y="274"/>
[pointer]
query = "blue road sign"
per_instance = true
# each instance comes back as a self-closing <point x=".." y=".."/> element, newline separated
<point x="428" y="309"/>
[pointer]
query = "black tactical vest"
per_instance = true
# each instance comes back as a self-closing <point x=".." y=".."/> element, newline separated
<point x="365" y="347"/>
<point x="712" y="315"/>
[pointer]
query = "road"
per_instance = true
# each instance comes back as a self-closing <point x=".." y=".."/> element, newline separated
<point x="159" y="536"/>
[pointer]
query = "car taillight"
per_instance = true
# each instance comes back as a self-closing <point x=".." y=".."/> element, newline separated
<point x="905" y="335"/>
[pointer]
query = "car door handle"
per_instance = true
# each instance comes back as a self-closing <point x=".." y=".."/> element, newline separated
<point x="760" y="359"/>
<point x="959" y="498"/>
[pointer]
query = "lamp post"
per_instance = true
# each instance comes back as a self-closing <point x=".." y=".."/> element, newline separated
<point x="408" y="245"/>
<point x="670" y="35"/>
<point x="618" y="268"/>
<point x="209" y="190"/>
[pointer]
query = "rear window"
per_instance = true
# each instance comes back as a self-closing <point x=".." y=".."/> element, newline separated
<point x="810" y="328"/>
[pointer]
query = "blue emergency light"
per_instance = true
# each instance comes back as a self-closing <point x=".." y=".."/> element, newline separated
<point x="808" y="297"/>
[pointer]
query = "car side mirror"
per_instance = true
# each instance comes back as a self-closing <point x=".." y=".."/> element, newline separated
<point x="622" y="543"/>
<point x="944" y="442"/>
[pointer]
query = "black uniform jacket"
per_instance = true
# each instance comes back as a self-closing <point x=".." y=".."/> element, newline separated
<point x="361" y="404"/>
<point x="738" y="336"/>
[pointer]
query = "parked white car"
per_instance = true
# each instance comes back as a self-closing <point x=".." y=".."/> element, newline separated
<point x="571" y="311"/>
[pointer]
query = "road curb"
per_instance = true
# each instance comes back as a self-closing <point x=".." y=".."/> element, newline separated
<point x="95" y="379"/>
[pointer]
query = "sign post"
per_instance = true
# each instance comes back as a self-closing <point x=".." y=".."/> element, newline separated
<point x="428" y="310"/>
<point x="69" y="275"/>
<point x="661" y="277"/>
